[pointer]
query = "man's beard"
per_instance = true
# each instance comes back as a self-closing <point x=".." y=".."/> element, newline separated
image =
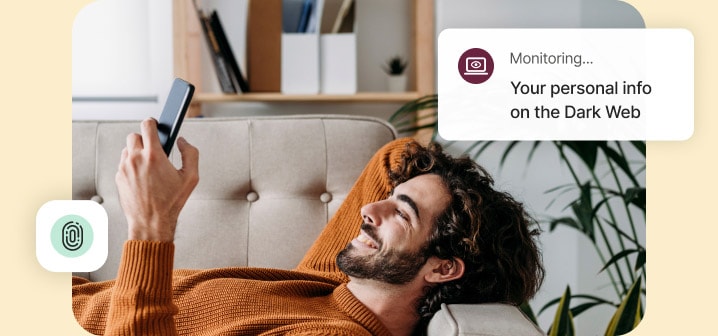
<point x="393" y="267"/>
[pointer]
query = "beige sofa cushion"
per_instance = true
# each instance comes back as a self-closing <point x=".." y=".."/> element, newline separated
<point x="488" y="319"/>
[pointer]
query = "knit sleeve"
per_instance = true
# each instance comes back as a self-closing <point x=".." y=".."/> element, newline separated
<point x="141" y="300"/>
<point x="372" y="185"/>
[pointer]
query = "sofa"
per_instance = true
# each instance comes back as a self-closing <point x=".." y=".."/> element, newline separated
<point x="263" y="180"/>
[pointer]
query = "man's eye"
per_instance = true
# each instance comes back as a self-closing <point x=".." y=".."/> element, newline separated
<point x="402" y="215"/>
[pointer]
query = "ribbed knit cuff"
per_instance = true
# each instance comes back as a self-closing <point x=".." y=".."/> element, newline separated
<point x="147" y="265"/>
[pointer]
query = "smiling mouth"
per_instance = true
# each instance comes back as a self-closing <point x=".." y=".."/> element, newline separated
<point x="364" y="239"/>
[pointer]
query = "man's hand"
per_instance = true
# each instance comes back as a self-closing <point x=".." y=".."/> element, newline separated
<point x="152" y="192"/>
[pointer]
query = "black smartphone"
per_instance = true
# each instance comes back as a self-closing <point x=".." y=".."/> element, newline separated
<point x="173" y="112"/>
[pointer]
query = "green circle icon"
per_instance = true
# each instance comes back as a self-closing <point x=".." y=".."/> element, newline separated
<point x="71" y="236"/>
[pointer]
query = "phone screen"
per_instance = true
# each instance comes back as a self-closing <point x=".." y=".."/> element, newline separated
<point x="173" y="113"/>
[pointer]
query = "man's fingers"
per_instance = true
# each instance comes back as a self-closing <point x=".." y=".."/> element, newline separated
<point x="190" y="158"/>
<point x="134" y="142"/>
<point x="123" y="157"/>
<point x="150" y="137"/>
<point x="120" y="171"/>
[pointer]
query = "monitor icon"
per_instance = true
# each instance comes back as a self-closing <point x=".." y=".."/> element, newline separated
<point x="476" y="66"/>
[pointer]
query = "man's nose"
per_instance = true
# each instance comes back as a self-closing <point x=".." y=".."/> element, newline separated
<point x="372" y="213"/>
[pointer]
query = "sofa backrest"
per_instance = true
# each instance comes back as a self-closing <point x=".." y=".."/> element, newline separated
<point x="267" y="187"/>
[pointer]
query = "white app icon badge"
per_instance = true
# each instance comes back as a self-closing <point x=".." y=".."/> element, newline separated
<point x="71" y="236"/>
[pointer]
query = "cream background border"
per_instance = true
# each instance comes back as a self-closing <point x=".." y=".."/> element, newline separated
<point x="35" y="87"/>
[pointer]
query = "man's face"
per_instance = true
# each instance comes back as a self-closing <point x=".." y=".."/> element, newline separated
<point x="390" y="246"/>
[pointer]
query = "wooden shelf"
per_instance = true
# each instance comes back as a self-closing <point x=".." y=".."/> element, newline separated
<point x="361" y="97"/>
<point x="188" y="44"/>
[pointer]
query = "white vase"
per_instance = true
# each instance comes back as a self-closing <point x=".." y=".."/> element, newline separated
<point x="396" y="83"/>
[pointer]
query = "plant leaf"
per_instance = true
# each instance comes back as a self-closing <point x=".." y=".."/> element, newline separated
<point x="533" y="150"/>
<point x="595" y="299"/>
<point x="641" y="259"/>
<point x="526" y="309"/>
<point x="641" y="146"/>
<point x="508" y="149"/>
<point x="629" y="313"/>
<point x="618" y="256"/>
<point x="636" y="196"/>
<point x="484" y="146"/>
<point x="577" y="310"/>
<point x="586" y="150"/>
<point x="566" y="188"/>
<point x="583" y="210"/>
<point x="563" y="320"/>
<point x="409" y="109"/>
<point x="620" y="160"/>
<point x="563" y="186"/>
<point x="568" y="221"/>
<point x="549" y="304"/>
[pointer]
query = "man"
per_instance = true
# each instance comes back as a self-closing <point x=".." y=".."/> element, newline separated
<point x="418" y="229"/>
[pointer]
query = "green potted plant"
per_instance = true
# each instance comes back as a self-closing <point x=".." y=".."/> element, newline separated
<point x="395" y="68"/>
<point x="605" y="183"/>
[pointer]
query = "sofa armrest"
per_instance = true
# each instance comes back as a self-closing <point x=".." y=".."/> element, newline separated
<point x="488" y="319"/>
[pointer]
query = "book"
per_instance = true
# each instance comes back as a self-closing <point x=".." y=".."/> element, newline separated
<point x="344" y="22"/>
<point x="329" y="14"/>
<point x="304" y="16"/>
<point x="238" y="81"/>
<point x="291" y="11"/>
<point x="313" y="24"/>
<point x="218" y="60"/>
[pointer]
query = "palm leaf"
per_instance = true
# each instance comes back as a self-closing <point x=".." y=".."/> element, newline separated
<point x="618" y="256"/>
<point x="563" y="320"/>
<point x="587" y="151"/>
<point x="406" y="118"/>
<point x="636" y="196"/>
<point x="640" y="146"/>
<point x="640" y="260"/>
<point x="563" y="188"/>
<point x="593" y="300"/>
<point x="533" y="150"/>
<point x="629" y="313"/>
<point x="584" y="211"/>
<point x="508" y="149"/>
<point x="484" y="146"/>
<point x="620" y="160"/>
<point x="526" y="309"/>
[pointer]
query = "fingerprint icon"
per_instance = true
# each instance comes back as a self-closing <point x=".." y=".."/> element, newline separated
<point x="72" y="236"/>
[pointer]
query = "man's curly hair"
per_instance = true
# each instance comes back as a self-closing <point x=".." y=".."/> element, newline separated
<point x="489" y="230"/>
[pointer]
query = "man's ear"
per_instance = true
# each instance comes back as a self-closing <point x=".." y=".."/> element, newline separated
<point x="444" y="270"/>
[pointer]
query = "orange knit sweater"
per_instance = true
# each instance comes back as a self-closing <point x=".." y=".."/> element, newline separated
<point x="148" y="297"/>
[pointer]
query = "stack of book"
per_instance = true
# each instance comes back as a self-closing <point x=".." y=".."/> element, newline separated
<point x="308" y="16"/>
<point x="293" y="47"/>
<point x="318" y="51"/>
<point x="231" y="79"/>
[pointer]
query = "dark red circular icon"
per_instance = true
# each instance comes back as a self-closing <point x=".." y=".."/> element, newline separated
<point x="476" y="65"/>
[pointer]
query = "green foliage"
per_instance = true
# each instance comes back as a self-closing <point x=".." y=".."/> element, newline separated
<point x="563" y="320"/>
<point x="605" y="188"/>
<point x="629" y="313"/>
<point x="395" y="65"/>
<point x="407" y="120"/>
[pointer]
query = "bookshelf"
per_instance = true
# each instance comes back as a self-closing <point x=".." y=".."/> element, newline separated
<point x="188" y="44"/>
<point x="378" y="97"/>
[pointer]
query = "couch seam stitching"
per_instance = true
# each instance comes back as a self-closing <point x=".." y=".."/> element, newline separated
<point x="251" y="188"/>
<point x="326" y="171"/>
